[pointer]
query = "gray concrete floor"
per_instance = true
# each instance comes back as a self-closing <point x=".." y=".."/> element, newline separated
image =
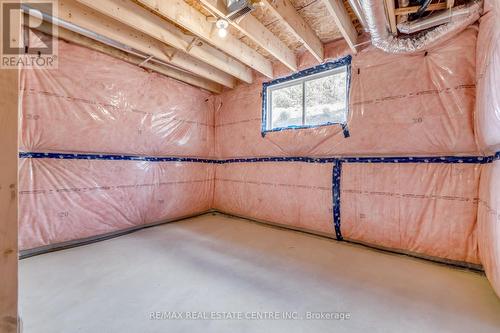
<point x="223" y="264"/>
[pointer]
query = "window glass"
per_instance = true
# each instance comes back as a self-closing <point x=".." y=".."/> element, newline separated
<point x="315" y="99"/>
<point x="326" y="99"/>
<point x="287" y="106"/>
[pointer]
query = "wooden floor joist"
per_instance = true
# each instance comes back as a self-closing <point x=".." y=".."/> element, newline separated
<point x="391" y="14"/>
<point x="82" y="16"/>
<point x="414" y="9"/>
<point x="343" y="21"/>
<point x="257" y="33"/>
<point x="150" y="24"/>
<point x="285" y="11"/>
<point x="195" y="22"/>
<point x="177" y="74"/>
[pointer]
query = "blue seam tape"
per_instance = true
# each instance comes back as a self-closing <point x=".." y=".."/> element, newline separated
<point x="337" y="174"/>
<point x="431" y="159"/>
<point x="345" y="129"/>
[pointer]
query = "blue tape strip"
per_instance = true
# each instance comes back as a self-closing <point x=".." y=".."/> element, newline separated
<point x="345" y="129"/>
<point x="431" y="159"/>
<point x="337" y="174"/>
<point x="345" y="61"/>
<point x="65" y="156"/>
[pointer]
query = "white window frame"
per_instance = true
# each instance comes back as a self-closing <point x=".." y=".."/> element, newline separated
<point x="267" y="127"/>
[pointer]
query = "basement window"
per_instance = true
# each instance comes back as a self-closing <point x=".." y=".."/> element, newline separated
<point x="314" y="97"/>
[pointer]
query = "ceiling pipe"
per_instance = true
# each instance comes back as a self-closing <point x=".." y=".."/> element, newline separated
<point x="383" y="39"/>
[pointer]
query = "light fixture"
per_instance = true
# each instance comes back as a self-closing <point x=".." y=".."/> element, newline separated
<point x="222" y="25"/>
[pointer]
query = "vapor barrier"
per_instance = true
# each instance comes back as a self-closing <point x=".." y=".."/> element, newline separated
<point x="400" y="105"/>
<point x="489" y="223"/>
<point x="62" y="199"/>
<point x="488" y="78"/>
<point x="98" y="105"/>
<point x="488" y="131"/>
<point x="422" y="208"/>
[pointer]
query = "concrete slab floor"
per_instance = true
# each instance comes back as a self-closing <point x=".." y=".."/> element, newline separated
<point x="223" y="264"/>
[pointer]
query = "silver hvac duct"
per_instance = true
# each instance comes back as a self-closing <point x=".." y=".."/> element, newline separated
<point x="383" y="39"/>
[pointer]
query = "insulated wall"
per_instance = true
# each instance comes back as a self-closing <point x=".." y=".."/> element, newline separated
<point x="101" y="126"/>
<point x="401" y="107"/>
<point x="488" y="130"/>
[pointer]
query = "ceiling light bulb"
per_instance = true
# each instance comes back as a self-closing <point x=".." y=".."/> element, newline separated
<point x="222" y="25"/>
<point x="222" y="33"/>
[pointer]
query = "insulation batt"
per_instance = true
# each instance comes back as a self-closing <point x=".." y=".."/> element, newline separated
<point x="488" y="131"/>
<point x="64" y="200"/>
<point x="488" y="78"/>
<point x="96" y="104"/>
<point x="399" y="106"/>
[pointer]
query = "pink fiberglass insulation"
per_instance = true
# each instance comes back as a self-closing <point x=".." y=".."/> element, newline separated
<point x="293" y="194"/>
<point x="488" y="132"/>
<point x="488" y="78"/>
<point x="489" y="223"/>
<point x="429" y="209"/>
<point x="62" y="200"/>
<point x="420" y="104"/>
<point x="96" y="103"/>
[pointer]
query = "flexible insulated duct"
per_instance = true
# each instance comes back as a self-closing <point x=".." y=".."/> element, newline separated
<point x="383" y="39"/>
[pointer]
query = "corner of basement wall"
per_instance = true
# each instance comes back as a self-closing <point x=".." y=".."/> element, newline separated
<point x="487" y="122"/>
<point x="106" y="140"/>
<point x="401" y="106"/>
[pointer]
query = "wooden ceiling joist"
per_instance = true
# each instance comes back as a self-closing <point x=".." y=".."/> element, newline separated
<point x="343" y="20"/>
<point x="72" y="12"/>
<point x="257" y="32"/>
<point x="179" y="75"/>
<point x="285" y="11"/>
<point x="391" y="9"/>
<point x="143" y="20"/>
<point x="414" y="9"/>
<point x="195" y="22"/>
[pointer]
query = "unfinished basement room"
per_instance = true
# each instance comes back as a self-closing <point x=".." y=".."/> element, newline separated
<point x="249" y="166"/>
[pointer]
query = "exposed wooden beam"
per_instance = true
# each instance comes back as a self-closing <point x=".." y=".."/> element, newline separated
<point x="391" y="9"/>
<point x="343" y="20"/>
<point x="77" y="14"/>
<point x="177" y="74"/>
<point x="257" y="33"/>
<point x="414" y="9"/>
<point x="285" y="11"/>
<point x="195" y="22"/>
<point x="9" y="115"/>
<point x="150" y="24"/>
